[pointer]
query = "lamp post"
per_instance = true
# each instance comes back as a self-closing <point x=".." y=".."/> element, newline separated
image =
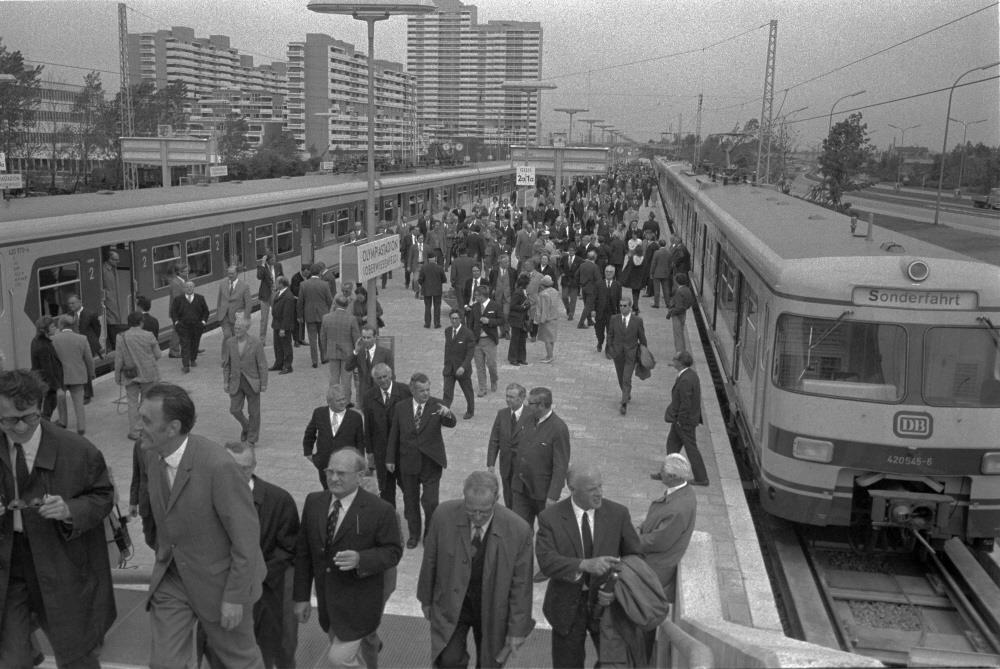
<point x="781" y="140"/>
<point x="571" y="111"/>
<point x="529" y="86"/>
<point x="829" y="124"/>
<point x="590" y="128"/>
<point x="944" y="144"/>
<point x="902" y="142"/>
<point x="965" y="134"/>
<point x="370" y="12"/>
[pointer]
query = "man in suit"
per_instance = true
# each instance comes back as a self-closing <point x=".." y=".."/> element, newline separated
<point x="476" y="573"/>
<point x="666" y="532"/>
<point x="178" y="280"/>
<point x="114" y="311"/>
<point x="625" y="333"/>
<point x="416" y="256"/>
<point x="367" y="354"/>
<point x="298" y="337"/>
<point x="283" y="326"/>
<point x="681" y="301"/>
<point x="348" y="539"/>
<point x="416" y="452"/>
<point x="468" y="297"/>
<point x="459" y="346"/>
<point x="244" y="377"/>
<point x="502" y="280"/>
<point x="189" y="314"/>
<point x="328" y="275"/>
<point x="315" y="299"/>
<point x="462" y="271"/>
<point x="590" y="277"/>
<point x="56" y="573"/>
<point x="570" y="270"/>
<point x="331" y="428"/>
<point x="607" y="297"/>
<point x="542" y="451"/>
<point x="78" y="369"/>
<point x="659" y="272"/>
<point x="234" y="298"/>
<point x="206" y="536"/>
<point x="506" y="428"/>
<point x="338" y="335"/>
<point x="88" y="324"/>
<point x="149" y="322"/>
<point x="684" y="415"/>
<point x="432" y="280"/>
<point x="406" y="242"/>
<point x="380" y="403"/>
<point x="680" y="259"/>
<point x="267" y="273"/>
<point x="486" y="321"/>
<point x="580" y="541"/>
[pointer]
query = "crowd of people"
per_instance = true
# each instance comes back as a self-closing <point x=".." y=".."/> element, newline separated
<point x="226" y="541"/>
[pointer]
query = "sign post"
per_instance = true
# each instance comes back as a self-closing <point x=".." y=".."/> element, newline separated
<point x="525" y="178"/>
<point x="366" y="260"/>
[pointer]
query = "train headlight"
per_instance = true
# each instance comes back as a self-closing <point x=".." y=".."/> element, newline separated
<point x="917" y="270"/>
<point x="991" y="463"/>
<point x="816" y="450"/>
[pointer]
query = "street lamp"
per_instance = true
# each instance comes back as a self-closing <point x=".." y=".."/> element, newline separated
<point x="944" y="145"/>
<point x="781" y="140"/>
<point x="529" y="86"/>
<point x="571" y="111"/>
<point x="830" y="122"/>
<point x="370" y="12"/>
<point x="902" y="142"/>
<point x="590" y="128"/>
<point x="965" y="133"/>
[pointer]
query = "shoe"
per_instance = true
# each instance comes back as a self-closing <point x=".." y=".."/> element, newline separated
<point x="194" y="363"/>
<point x="656" y="306"/>
<point x="315" y="365"/>
<point x="539" y="577"/>
<point x="243" y="435"/>
<point x="323" y="361"/>
<point x="547" y="360"/>
<point x="569" y="317"/>
<point x="186" y="370"/>
<point x="512" y="363"/>
<point x="296" y="344"/>
<point x="623" y="409"/>
<point x="599" y="347"/>
<point x="656" y="476"/>
<point x="534" y="339"/>
<point x="412" y="542"/>
<point x="437" y="326"/>
<point x="427" y="326"/>
<point x="493" y="387"/>
<point x="274" y="369"/>
<point x="133" y="436"/>
<point x="62" y="425"/>
<point x="607" y="354"/>
<point x="481" y="393"/>
<point x="201" y="350"/>
<point x="468" y="415"/>
<point x="174" y="356"/>
<point x="699" y="483"/>
<point x="581" y="326"/>
<point x="86" y="400"/>
<point x="285" y="371"/>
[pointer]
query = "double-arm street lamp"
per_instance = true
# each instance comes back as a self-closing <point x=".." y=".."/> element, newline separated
<point x="902" y="142"/>
<point x="965" y="134"/>
<point x="529" y="86"/>
<point x="590" y="128"/>
<point x="571" y="111"/>
<point x="829" y="123"/>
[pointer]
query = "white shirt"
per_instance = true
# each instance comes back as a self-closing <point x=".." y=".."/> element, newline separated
<point x="416" y="405"/>
<point x="345" y="504"/>
<point x="545" y="417"/>
<point x="173" y="461"/>
<point x="336" y="420"/>
<point x="371" y="354"/>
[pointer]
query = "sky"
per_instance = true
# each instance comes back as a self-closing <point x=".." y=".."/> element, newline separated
<point x="637" y="64"/>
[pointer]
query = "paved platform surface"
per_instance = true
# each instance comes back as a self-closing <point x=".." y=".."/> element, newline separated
<point x="585" y="394"/>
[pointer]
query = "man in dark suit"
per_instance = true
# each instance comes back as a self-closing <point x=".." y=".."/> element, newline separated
<point x="149" y="322"/>
<point x="298" y="337"/>
<point x="684" y="415"/>
<point x="331" y="428"/>
<point x="580" y="541"/>
<point x="406" y="241"/>
<point x="267" y="273"/>
<point x="367" y="354"/>
<point x="666" y="532"/>
<point x="680" y="260"/>
<point x="234" y="298"/>
<point x="625" y="333"/>
<point x="87" y="323"/>
<point x="432" y="280"/>
<point x="502" y="281"/>
<point x="607" y="296"/>
<point x="212" y="575"/>
<point x="569" y="267"/>
<point x="486" y="321"/>
<point x="55" y="572"/>
<point x="590" y="277"/>
<point x="315" y="300"/>
<point x="459" y="346"/>
<point x="468" y="298"/>
<point x="178" y="274"/>
<point x="380" y="404"/>
<point x="347" y="541"/>
<point x="461" y="275"/>
<point x="542" y="451"/>
<point x="189" y="314"/>
<point x="416" y="452"/>
<point x="283" y="324"/>
<point x="506" y="427"/>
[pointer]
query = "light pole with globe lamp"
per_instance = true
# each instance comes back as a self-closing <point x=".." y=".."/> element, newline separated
<point x="965" y="134"/>
<point x="829" y="123"/>
<point x="370" y="12"/>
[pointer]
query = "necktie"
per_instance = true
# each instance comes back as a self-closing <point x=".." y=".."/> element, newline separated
<point x="418" y="416"/>
<point x="335" y="424"/>
<point x="588" y="544"/>
<point x="477" y="540"/>
<point x="513" y="420"/>
<point x="371" y="356"/>
<point x="232" y="286"/>
<point x="331" y="528"/>
<point x="609" y="284"/>
<point x="385" y="398"/>
<point x="21" y="482"/>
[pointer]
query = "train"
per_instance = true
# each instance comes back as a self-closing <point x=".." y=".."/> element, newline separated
<point x="54" y="247"/>
<point x="862" y="366"/>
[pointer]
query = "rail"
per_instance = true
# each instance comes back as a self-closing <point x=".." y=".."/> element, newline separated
<point x="696" y="654"/>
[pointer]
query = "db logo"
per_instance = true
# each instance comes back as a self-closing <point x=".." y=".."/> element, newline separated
<point x="912" y="425"/>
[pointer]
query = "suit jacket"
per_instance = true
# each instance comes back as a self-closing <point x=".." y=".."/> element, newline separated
<point x="70" y="560"/>
<point x="590" y="276"/>
<point x="378" y="417"/>
<point x="570" y="266"/>
<point x="458" y="350"/>
<point x="560" y="551"/>
<point x="283" y="311"/>
<point x="337" y="335"/>
<point x="194" y="312"/>
<point x="494" y="318"/>
<point x="503" y="440"/>
<point x="319" y="440"/>
<point x="543" y="453"/>
<point x="89" y="325"/>
<point x="606" y="299"/>
<point x="407" y="444"/>
<point x="461" y="271"/>
<point x="507" y="571"/>
<point x="279" y="529"/>
<point x="231" y="301"/>
<point x="517" y="317"/>
<point x="350" y="603"/>
<point x="660" y="268"/>
<point x="623" y="343"/>
<point x="150" y="324"/>
<point x="76" y="357"/>
<point x="666" y="532"/>
<point x="680" y="259"/>
<point x="498" y="290"/>
<point x="252" y="364"/>
<point x="685" y="400"/>
<point x="315" y="298"/>
<point x="266" y="289"/>
<point x="359" y="361"/>
<point x="432" y="279"/>
<point x="413" y="260"/>
<point x="682" y="300"/>
<point x="207" y="526"/>
<point x="469" y="293"/>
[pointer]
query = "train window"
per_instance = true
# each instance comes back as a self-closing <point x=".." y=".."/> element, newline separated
<point x="463" y="193"/>
<point x="285" y="237"/>
<point x="840" y="358"/>
<point x="164" y="258"/>
<point x="329" y="221"/>
<point x="387" y="210"/>
<point x="961" y="367"/>
<point x="412" y="202"/>
<point x="343" y="222"/>
<point x="199" y="257"/>
<point x="748" y="336"/>
<point x="263" y="240"/>
<point x="55" y="284"/>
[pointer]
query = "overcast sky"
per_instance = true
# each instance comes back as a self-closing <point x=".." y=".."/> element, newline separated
<point x="639" y="64"/>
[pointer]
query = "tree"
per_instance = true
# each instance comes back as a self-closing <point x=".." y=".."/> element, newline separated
<point x="91" y="136"/>
<point x="233" y="145"/>
<point x="152" y="107"/>
<point x="845" y="151"/>
<point x="18" y="102"/>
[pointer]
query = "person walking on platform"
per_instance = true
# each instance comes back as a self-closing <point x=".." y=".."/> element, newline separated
<point x="459" y="348"/>
<point x="680" y="304"/>
<point x="659" y="272"/>
<point x="233" y="300"/>
<point x="502" y="282"/>
<point x="431" y="283"/>
<point x="244" y="377"/>
<point x="178" y="281"/>
<point x="684" y="415"/>
<point x="625" y="334"/>
<point x="506" y="428"/>
<point x="283" y="326"/>
<point x="331" y="428"/>
<point x="78" y="369"/>
<point x="379" y="406"/>
<point x="267" y="273"/>
<point x="542" y="455"/>
<point x="517" y="319"/>
<point x="295" y="284"/>
<point x="189" y="314"/>
<point x="680" y="260"/>
<point x="339" y="333"/>
<point x="666" y="532"/>
<point x="88" y="324"/>
<point x="548" y="313"/>
<point x="589" y="278"/>
<point x="315" y="300"/>
<point x="486" y="320"/>
<point x="367" y="354"/>
<point x="608" y="295"/>
<point x="136" y="354"/>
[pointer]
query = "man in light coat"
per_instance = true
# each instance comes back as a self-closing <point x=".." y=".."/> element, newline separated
<point x="234" y="299"/>
<point x="77" y="361"/>
<point x="244" y="377"/>
<point x="338" y="334"/>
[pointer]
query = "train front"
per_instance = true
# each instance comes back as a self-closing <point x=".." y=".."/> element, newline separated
<point x="884" y="407"/>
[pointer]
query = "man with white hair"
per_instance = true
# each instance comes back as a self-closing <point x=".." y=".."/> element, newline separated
<point x="666" y="532"/>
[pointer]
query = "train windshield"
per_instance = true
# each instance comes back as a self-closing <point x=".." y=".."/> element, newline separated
<point x="961" y="367"/>
<point x="840" y="358"/>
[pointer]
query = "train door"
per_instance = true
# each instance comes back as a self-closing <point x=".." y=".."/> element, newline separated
<point x="309" y="223"/>
<point x="118" y="288"/>
<point x="233" y="245"/>
<point x="760" y="387"/>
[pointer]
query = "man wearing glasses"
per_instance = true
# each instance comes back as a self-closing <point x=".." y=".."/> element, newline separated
<point x="625" y="334"/>
<point x="56" y="494"/>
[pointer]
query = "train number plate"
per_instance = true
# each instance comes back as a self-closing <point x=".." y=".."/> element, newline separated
<point x="912" y="425"/>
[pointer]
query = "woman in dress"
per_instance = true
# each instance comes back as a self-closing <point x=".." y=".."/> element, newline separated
<point x="547" y="314"/>
<point x="634" y="275"/>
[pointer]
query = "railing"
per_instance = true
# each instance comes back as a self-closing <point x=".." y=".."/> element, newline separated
<point x="695" y="654"/>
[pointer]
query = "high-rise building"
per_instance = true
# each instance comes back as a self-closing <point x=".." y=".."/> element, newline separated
<point x="460" y="66"/>
<point x="327" y="104"/>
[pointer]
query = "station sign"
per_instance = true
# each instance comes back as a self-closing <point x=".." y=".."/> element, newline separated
<point x="218" y="171"/>
<point x="11" y="181"/>
<point x="326" y="165"/>
<point x="525" y="176"/>
<point x="365" y="260"/>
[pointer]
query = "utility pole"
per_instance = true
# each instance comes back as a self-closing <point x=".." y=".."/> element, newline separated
<point x="697" y="133"/>
<point x="767" y="106"/>
<point x="129" y="172"/>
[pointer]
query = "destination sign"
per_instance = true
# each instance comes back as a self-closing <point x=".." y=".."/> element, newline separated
<point x="895" y="298"/>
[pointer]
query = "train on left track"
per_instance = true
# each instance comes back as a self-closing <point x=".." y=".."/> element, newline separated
<point x="54" y="247"/>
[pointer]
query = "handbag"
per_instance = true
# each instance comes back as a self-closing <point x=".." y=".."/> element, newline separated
<point x="646" y="357"/>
